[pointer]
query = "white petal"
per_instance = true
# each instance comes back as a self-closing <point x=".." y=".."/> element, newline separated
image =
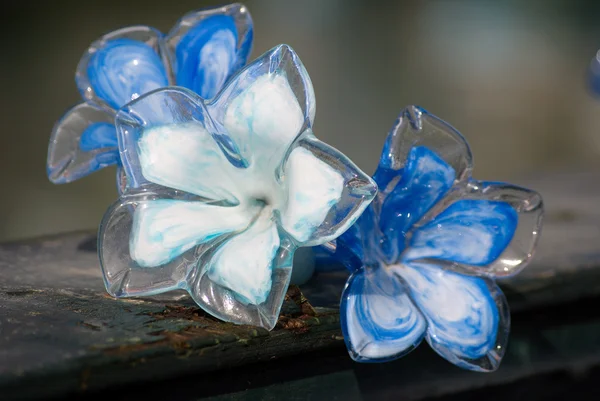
<point x="164" y="229"/>
<point x="186" y="157"/>
<point x="264" y="119"/>
<point x="326" y="192"/>
<point x="314" y="187"/>
<point x="244" y="264"/>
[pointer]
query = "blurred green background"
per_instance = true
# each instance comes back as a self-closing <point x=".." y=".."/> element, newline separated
<point x="510" y="75"/>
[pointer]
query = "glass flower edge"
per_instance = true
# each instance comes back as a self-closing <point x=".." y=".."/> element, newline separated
<point x="222" y="192"/>
<point x="202" y="50"/>
<point x="424" y="256"/>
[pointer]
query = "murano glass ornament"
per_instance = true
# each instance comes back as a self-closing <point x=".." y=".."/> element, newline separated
<point x="593" y="76"/>
<point x="200" y="53"/>
<point x="425" y="254"/>
<point x="222" y="192"/>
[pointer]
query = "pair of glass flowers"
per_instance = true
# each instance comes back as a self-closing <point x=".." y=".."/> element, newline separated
<point x="221" y="179"/>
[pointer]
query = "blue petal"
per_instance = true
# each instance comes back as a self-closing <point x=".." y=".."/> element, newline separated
<point x="379" y="321"/>
<point x="97" y="136"/>
<point x="472" y="232"/>
<point x="346" y="250"/>
<point x="124" y="69"/>
<point x="467" y="316"/>
<point x="358" y="246"/>
<point x="417" y="127"/>
<point x="81" y="142"/>
<point x="425" y="180"/>
<point x="529" y="208"/>
<point x="206" y="55"/>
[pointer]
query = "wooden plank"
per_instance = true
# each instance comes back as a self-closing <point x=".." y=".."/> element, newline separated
<point x="60" y="332"/>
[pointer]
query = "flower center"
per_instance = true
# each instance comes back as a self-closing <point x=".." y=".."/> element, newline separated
<point x="262" y="197"/>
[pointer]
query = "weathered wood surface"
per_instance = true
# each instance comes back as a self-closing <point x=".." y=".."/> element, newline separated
<point x="59" y="326"/>
<point x="60" y="332"/>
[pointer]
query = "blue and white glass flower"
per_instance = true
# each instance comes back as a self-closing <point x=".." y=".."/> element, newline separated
<point x="593" y="75"/>
<point x="200" y="53"/>
<point x="222" y="192"/>
<point x="425" y="254"/>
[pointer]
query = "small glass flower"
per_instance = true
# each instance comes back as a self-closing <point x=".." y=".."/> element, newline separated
<point x="425" y="254"/>
<point x="222" y="192"/>
<point x="593" y="75"/>
<point x="200" y="53"/>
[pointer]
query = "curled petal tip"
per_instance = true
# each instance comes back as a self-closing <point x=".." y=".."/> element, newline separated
<point x="413" y="114"/>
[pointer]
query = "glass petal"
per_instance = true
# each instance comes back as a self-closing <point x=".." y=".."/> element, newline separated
<point x="164" y="228"/>
<point x="469" y="231"/>
<point x="529" y="207"/>
<point x="266" y="107"/>
<point x="379" y="320"/>
<point x="167" y="138"/>
<point x="210" y="45"/>
<point x="123" y="65"/>
<point x="83" y="141"/>
<point x="250" y="280"/>
<point x="245" y="280"/>
<point x="326" y="192"/>
<point x="425" y="179"/>
<point x="416" y="127"/>
<point x="468" y="318"/>
<point x="346" y="251"/>
<point x="139" y="231"/>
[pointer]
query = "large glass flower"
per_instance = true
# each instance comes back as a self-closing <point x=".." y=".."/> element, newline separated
<point x="425" y="254"/>
<point x="200" y="53"/>
<point x="222" y="192"/>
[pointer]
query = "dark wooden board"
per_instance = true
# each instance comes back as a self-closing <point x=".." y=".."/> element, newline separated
<point x="60" y="333"/>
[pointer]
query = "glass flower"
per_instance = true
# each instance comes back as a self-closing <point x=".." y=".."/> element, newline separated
<point x="593" y="75"/>
<point x="222" y="192"/>
<point x="425" y="254"/>
<point x="200" y="53"/>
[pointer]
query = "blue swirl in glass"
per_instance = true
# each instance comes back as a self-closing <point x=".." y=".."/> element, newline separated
<point x="425" y="255"/>
<point x="200" y="52"/>
<point x="222" y="192"/>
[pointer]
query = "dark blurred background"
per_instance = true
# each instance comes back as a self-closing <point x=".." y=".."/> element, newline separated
<point x="510" y="75"/>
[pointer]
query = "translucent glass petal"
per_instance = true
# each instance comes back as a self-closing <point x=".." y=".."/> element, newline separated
<point x="123" y="65"/>
<point x="425" y="179"/>
<point x="379" y="320"/>
<point x="314" y="188"/>
<point x="243" y="264"/>
<point x="326" y="192"/>
<point x="469" y="231"/>
<point x="266" y="107"/>
<point x="468" y="318"/>
<point x="164" y="228"/>
<point x="167" y="138"/>
<point x="416" y="127"/>
<point x="208" y="46"/>
<point x="529" y="208"/>
<point x="136" y="223"/>
<point x="245" y="259"/>
<point x="82" y="141"/>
